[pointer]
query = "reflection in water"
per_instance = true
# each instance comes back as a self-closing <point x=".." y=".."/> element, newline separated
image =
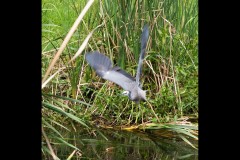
<point x="110" y="144"/>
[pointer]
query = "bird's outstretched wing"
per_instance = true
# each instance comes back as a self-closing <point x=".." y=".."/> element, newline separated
<point x="144" y="39"/>
<point x="103" y="67"/>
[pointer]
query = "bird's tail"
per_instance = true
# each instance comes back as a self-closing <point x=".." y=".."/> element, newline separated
<point x="99" y="62"/>
<point x="144" y="39"/>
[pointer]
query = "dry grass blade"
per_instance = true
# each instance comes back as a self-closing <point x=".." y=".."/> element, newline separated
<point x="187" y="141"/>
<point x="49" y="146"/>
<point x="51" y="77"/>
<point x="153" y="112"/>
<point x="84" y="44"/>
<point x="71" y="155"/>
<point x="69" y="35"/>
<point x="74" y="57"/>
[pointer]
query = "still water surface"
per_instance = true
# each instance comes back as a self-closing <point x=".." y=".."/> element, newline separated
<point x="108" y="144"/>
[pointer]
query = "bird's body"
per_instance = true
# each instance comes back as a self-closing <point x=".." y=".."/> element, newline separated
<point x="137" y="94"/>
<point x="104" y="68"/>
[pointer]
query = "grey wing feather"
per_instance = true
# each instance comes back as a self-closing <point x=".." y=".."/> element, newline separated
<point x="120" y="79"/>
<point x="118" y="69"/>
<point x="144" y="39"/>
<point x="103" y="67"/>
<point x="99" y="62"/>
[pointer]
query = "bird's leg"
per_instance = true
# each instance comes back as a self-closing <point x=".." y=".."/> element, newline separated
<point x="140" y="109"/>
<point x="138" y="114"/>
<point x="130" y="116"/>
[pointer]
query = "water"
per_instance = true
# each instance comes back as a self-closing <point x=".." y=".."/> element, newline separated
<point x="108" y="144"/>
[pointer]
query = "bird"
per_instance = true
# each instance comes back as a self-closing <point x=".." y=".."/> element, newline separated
<point x="105" y="69"/>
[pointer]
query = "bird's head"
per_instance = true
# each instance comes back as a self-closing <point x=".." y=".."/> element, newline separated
<point x="126" y="93"/>
<point x="141" y="95"/>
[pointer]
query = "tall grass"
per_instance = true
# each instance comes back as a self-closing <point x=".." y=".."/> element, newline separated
<point x="170" y="69"/>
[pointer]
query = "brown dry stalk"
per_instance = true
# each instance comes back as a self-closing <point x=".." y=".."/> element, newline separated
<point x="49" y="146"/>
<point x="153" y="111"/>
<point x="67" y="38"/>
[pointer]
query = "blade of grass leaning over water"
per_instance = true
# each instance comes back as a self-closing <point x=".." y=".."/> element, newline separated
<point x="60" y="111"/>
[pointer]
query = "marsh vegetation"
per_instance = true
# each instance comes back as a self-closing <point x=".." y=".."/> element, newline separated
<point x="74" y="95"/>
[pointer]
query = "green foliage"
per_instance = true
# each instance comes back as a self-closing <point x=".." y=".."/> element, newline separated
<point x="170" y="69"/>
